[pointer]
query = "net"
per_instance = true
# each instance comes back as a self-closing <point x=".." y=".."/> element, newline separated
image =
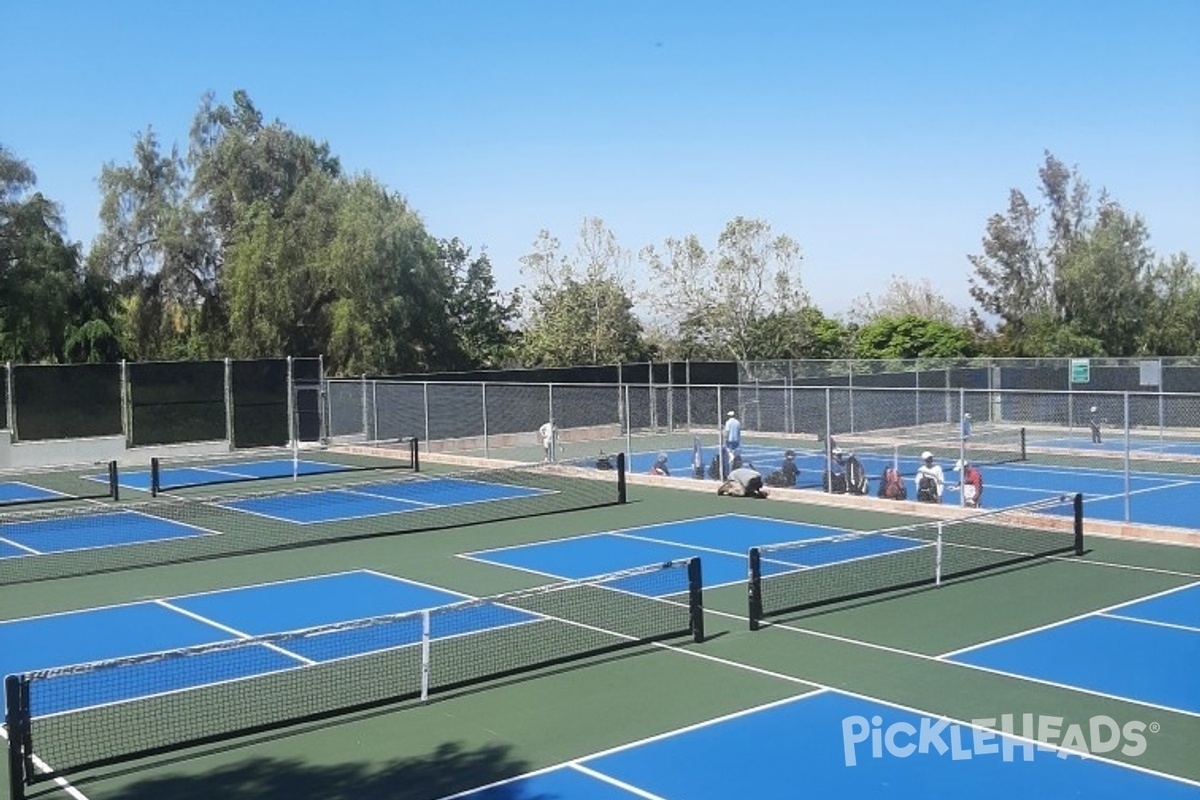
<point x="791" y="577"/>
<point x="311" y="465"/>
<point x="61" y="721"/>
<point x="38" y="486"/>
<point x="45" y="543"/>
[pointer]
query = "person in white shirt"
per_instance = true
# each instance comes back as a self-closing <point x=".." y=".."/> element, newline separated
<point x="932" y="472"/>
<point x="546" y="434"/>
<point x="733" y="439"/>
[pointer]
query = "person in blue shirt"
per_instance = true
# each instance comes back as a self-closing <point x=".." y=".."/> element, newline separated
<point x="733" y="439"/>
<point x="966" y="425"/>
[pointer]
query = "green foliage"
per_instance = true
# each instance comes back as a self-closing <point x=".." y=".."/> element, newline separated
<point x="805" y="333"/>
<point x="582" y="312"/>
<point x="42" y="285"/>
<point x="717" y="300"/>
<point x="482" y="315"/>
<point x="912" y="337"/>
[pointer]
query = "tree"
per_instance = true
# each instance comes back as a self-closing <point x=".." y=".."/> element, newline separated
<point x="40" y="273"/>
<point x="390" y="288"/>
<point x="154" y="246"/>
<point x="1016" y="275"/>
<point x="1173" y="327"/>
<point x="717" y="298"/>
<point x="904" y="297"/>
<point x="802" y="334"/>
<point x="912" y="337"/>
<point x="1104" y="284"/>
<point x="482" y="314"/>
<point x="582" y="309"/>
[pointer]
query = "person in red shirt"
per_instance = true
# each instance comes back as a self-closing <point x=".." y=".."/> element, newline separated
<point x="660" y="465"/>
<point x="972" y="484"/>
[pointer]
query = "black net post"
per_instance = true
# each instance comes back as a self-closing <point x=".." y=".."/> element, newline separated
<point x="696" y="599"/>
<point x="754" y="588"/>
<point x="415" y="453"/>
<point x="621" y="494"/>
<point x="114" y="482"/>
<point x="16" y="723"/>
<point x="154" y="477"/>
<point x="1078" y="524"/>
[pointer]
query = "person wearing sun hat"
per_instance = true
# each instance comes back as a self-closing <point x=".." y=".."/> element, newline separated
<point x="1094" y="424"/>
<point x="733" y="439"/>
<point x="931" y="481"/>
<point x="971" y="483"/>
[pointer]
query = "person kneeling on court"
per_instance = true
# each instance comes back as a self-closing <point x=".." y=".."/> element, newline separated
<point x="743" y="482"/>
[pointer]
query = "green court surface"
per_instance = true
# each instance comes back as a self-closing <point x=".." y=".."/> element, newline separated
<point x="886" y="648"/>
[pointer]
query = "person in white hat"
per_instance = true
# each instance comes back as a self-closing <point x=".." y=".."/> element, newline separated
<point x="733" y="439"/>
<point x="1094" y="424"/>
<point x="971" y="483"/>
<point x="931" y="481"/>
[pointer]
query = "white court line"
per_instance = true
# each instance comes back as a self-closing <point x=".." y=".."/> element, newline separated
<point x="821" y="689"/>
<point x="308" y="662"/>
<point x="20" y="546"/>
<point x="1066" y="621"/>
<point x="627" y="787"/>
<point x="1159" y="623"/>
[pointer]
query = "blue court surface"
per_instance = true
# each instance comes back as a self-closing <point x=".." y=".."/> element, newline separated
<point x="1146" y="650"/>
<point x="152" y="626"/>
<point x="19" y="492"/>
<point x="87" y="531"/>
<point x="722" y="542"/>
<point x="821" y="745"/>
<point x="379" y="499"/>
<point x="1155" y="498"/>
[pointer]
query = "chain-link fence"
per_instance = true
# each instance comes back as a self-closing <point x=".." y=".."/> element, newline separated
<point x="1175" y="374"/>
<point x="886" y="426"/>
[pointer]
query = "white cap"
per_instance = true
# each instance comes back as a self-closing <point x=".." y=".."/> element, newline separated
<point x="958" y="465"/>
<point x="926" y="455"/>
<point x="967" y="415"/>
<point x="837" y="451"/>
<point x="1092" y="409"/>
<point x="731" y="414"/>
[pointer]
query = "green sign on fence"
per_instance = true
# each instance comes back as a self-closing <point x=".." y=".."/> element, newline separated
<point x="1081" y="370"/>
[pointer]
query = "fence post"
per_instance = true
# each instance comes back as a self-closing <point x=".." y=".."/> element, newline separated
<point x="293" y="434"/>
<point x="483" y="398"/>
<point x="850" y="389"/>
<point x="366" y="424"/>
<point x="322" y="401"/>
<point x="229" y="402"/>
<point x="1125" y="396"/>
<point x="553" y="455"/>
<point x="126" y="411"/>
<point x="687" y="376"/>
<point x="10" y="401"/>
<point x="425" y="388"/>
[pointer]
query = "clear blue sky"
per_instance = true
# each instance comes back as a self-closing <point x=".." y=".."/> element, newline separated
<point x="879" y="135"/>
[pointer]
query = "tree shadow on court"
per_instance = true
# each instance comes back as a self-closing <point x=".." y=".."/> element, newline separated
<point x="448" y="769"/>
